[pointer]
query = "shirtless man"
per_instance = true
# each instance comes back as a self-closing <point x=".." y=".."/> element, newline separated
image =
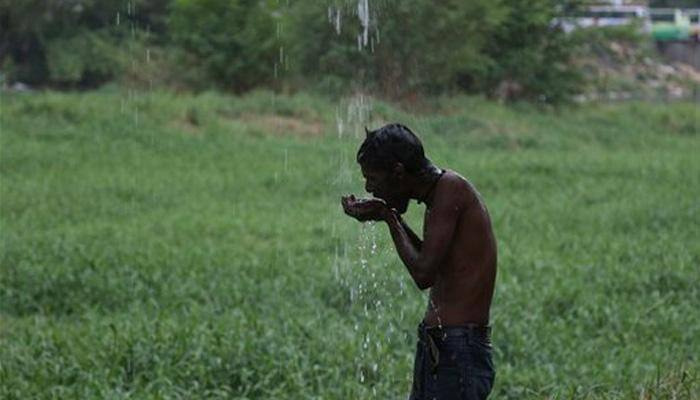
<point x="456" y="259"/>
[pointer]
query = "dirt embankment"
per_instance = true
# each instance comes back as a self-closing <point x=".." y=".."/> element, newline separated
<point x="619" y="70"/>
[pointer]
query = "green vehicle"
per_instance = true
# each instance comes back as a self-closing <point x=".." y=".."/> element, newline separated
<point x="669" y="25"/>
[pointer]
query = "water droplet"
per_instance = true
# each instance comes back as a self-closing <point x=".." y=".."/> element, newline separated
<point x="337" y="22"/>
<point x="363" y="15"/>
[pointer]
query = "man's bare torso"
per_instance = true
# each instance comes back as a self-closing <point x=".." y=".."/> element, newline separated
<point x="463" y="288"/>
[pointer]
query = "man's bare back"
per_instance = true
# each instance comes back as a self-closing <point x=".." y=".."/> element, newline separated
<point x="464" y="284"/>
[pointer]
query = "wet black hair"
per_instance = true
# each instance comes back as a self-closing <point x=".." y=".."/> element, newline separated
<point x="390" y="144"/>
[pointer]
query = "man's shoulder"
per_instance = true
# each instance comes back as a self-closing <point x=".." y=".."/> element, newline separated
<point x="454" y="185"/>
<point x="454" y="181"/>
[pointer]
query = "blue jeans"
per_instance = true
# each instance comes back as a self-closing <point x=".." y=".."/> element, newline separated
<point x="453" y="362"/>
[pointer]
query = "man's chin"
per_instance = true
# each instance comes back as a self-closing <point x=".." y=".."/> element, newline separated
<point x="400" y="206"/>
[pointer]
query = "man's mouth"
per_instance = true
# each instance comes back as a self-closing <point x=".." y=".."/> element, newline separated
<point x="398" y="204"/>
<point x="380" y="196"/>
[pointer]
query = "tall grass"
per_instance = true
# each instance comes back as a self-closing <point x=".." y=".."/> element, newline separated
<point x="162" y="246"/>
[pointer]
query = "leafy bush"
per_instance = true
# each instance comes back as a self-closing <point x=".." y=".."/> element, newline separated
<point x="234" y="41"/>
<point x="506" y="48"/>
<point x="411" y="46"/>
<point x="394" y="48"/>
<point x="77" y="43"/>
<point x="531" y="54"/>
<point x="90" y="58"/>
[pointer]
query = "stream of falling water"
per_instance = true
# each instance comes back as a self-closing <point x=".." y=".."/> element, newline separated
<point x="365" y="264"/>
<point x="369" y="32"/>
<point x="361" y="268"/>
<point x="360" y="263"/>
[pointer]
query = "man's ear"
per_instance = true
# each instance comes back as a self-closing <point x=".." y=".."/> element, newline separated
<point x="399" y="170"/>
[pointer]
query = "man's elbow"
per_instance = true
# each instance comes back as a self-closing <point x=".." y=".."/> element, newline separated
<point x="425" y="278"/>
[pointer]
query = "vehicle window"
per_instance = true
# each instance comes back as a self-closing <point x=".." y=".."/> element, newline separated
<point x="663" y="17"/>
<point x="620" y="14"/>
<point x="607" y="14"/>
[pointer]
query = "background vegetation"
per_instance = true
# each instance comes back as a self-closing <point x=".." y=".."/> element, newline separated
<point x="162" y="239"/>
<point x="161" y="246"/>
<point x="504" y="48"/>
<point x="409" y="48"/>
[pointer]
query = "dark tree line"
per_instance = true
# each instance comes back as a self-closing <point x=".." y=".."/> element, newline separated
<point x="402" y="49"/>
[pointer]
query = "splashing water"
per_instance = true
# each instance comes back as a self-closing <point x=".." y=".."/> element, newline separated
<point x="339" y="122"/>
<point x="281" y="63"/>
<point x="437" y="314"/>
<point x="358" y="113"/>
<point x="355" y="118"/>
<point x="363" y="15"/>
<point x="361" y="266"/>
<point x="334" y="18"/>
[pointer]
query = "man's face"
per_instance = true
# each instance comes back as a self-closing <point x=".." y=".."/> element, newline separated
<point x="386" y="186"/>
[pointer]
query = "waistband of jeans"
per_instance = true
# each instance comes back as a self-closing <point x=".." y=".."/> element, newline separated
<point x="446" y="331"/>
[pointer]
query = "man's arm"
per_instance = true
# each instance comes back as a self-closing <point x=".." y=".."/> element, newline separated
<point x="415" y="240"/>
<point x="440" y="224"/>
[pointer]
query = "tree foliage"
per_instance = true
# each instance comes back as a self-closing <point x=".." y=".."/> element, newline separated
<point x="396" y="48"/>
<point x="530" y="53"/>
<point x="486" y="46"/>
<point x="417" y="46"/>
<point x="70" y="43"/>
<point x="234" y="41"/>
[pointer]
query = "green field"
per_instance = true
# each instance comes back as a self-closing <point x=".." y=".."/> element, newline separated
<point x="160" y="246"/>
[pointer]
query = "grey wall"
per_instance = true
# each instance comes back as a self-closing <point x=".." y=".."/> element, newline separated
<point x="683" y="51"/>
